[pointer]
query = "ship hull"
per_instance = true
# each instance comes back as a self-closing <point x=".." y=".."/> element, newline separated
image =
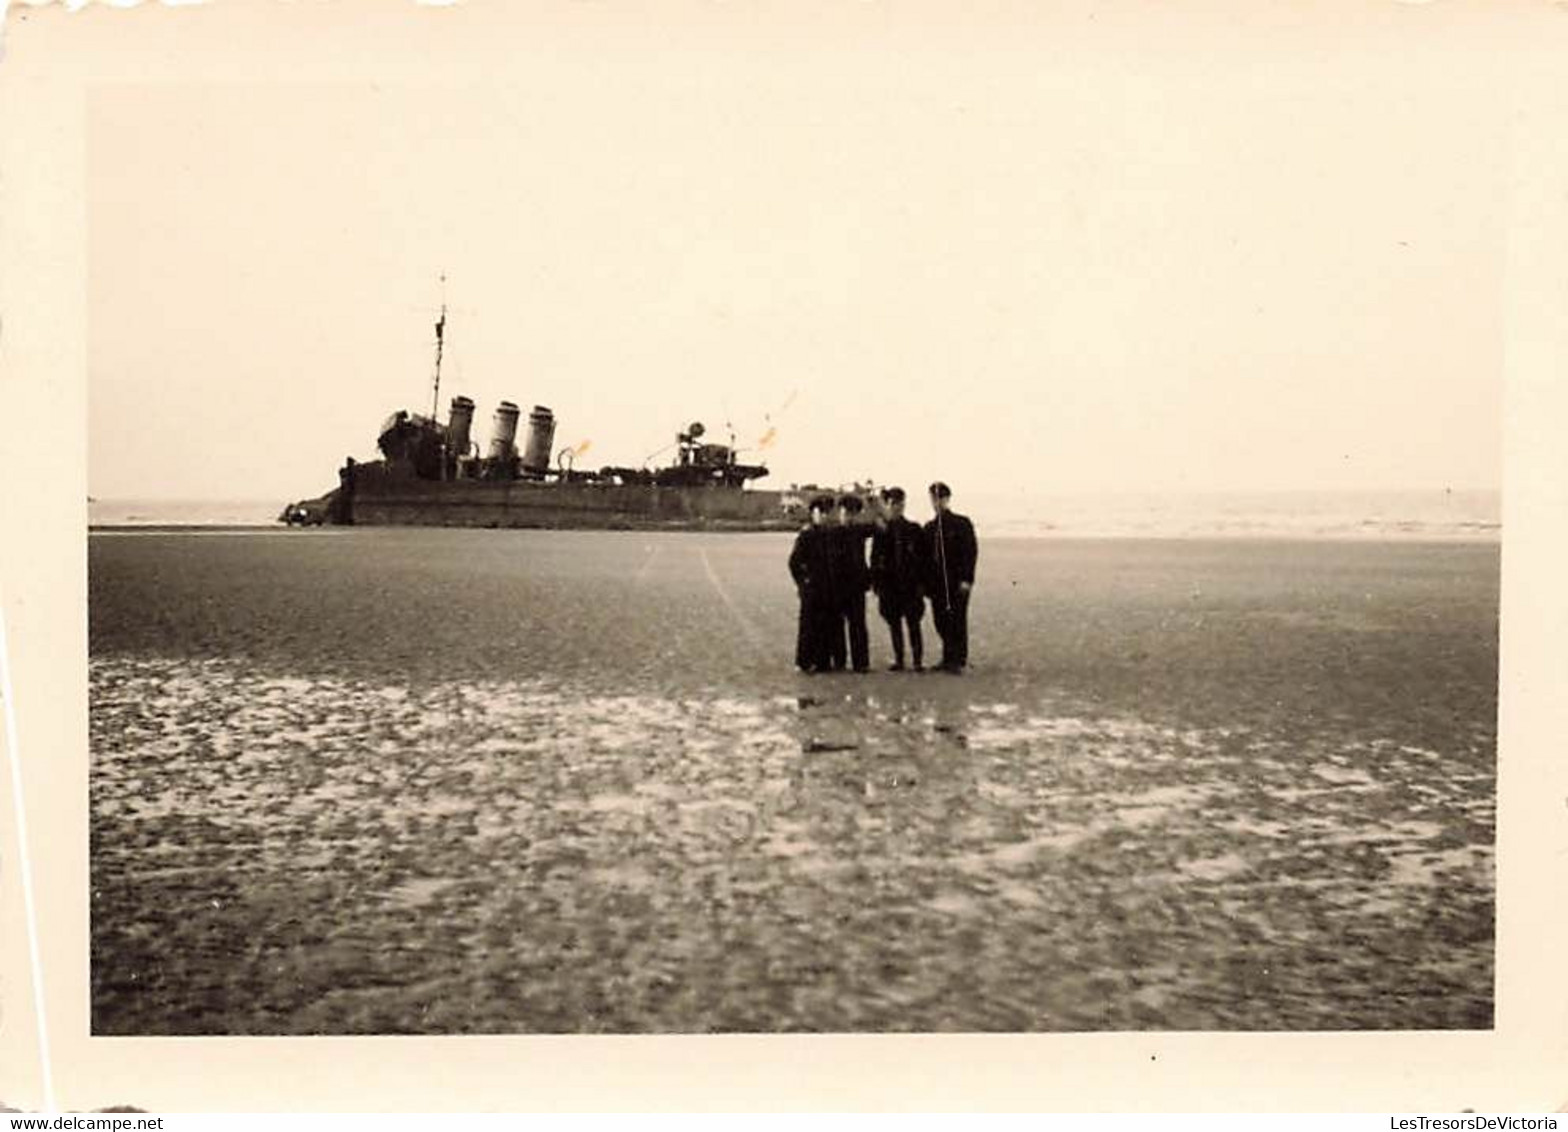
<point x="380" y="499"/>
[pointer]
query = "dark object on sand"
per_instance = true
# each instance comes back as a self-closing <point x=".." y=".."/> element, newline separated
<point x="435" y="474"/>
<point x="431" y="474"/>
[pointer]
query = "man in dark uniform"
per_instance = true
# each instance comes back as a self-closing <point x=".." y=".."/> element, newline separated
<point x="811" y="565"/>
<point x="951" y="576"/>
<point x="853" y="580"/>
<point x="898" y="575"/>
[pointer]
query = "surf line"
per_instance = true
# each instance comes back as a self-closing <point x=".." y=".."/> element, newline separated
<point x="753" y="638"/>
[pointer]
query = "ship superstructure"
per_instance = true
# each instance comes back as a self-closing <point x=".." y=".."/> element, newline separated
<point x="435" y="473"/>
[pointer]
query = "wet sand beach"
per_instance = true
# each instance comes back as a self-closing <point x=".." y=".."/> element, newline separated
<point x="448" y="781"/>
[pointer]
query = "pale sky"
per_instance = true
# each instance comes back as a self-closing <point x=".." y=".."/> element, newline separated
<point x="1058" y="255"/>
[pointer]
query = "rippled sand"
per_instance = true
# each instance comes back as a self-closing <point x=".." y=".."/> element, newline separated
<point x="433" y="781"/>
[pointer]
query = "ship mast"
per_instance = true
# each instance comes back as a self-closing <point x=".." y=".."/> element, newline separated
<point x="435" y="396"/>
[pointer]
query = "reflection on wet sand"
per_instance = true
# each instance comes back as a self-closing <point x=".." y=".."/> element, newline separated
<point x="476" y="781"/>
<point x="280" y="854"/>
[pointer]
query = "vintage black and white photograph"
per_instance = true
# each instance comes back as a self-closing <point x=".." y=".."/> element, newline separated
<point x="980" y="528"/>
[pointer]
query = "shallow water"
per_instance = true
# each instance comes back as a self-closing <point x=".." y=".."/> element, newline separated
<point x="1360" y="515"/>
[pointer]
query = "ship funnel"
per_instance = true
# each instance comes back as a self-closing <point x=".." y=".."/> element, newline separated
<point x="459" y="425"/>
<point x="541" y="435"/>
<point x="504" y="435"/>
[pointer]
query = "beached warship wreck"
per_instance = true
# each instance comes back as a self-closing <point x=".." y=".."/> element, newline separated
<point x="434" y="474"/>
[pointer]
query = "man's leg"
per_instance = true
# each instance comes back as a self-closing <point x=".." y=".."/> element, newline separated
<point x="916" y="643"/>
<point x="960" y="646"/>
<point x="806" y="636"/>
<point x="941" y="617"/>
<point x="834" y="631"/>
<point x="859" y="645"/>
<point x="895" y="628"/>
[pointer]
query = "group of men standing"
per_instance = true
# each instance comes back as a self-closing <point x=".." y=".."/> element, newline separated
<point x="909" y="564"/>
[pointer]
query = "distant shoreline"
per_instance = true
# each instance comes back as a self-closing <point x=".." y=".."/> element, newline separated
<point x="1491" y="537"/>
<point x="1302" y="516"/>
<point x="179" y="528"/>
